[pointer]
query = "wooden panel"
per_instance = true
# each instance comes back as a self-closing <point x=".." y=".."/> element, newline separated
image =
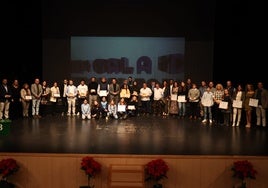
<point x="126" y="176"/>
<point x="63" y="170"/>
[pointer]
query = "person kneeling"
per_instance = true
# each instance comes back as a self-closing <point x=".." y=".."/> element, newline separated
<point x="85" y="109"/>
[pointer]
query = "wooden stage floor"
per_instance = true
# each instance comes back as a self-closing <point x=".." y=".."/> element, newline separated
<point x="146" y="135"/>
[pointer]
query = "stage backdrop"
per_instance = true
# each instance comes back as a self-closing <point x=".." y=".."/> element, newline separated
<point x="140" y="57"/>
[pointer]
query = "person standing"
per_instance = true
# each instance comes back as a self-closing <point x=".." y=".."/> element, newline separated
<point x="173" y="104"/>
<point x="5" y="99"/>
<point x="194" y="97"/>
<point x="63" y="90"/>
<point x="36" y="90"/>
<point x="26" y="97"/>
<point x="103" y="88"/>
<point x="207" y="103"/>
<point x="239" y="95"/>
<point x="114" y="90"/>
<point x="249" y="93"/>
<point x="93" y="91"/>
<point x="218" y="97"/>
<point x="262" y="95"/>
<point x="71" y="94"/>
<point x="54" y="96"/>
<point x="15" y="105"/>
<point x="145" y="94"/>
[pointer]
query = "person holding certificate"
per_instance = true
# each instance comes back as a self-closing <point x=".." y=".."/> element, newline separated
<point x="249" y="93"/>
<point x="194" y="97"/>
<point x="182" y="93"/>
<point x="238" y="98"/>
<point x="122" y="109"/>
<point x="26" y="97"/>
<point x="54" y="96"/>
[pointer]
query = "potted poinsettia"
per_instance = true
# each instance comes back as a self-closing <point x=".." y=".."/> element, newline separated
<point x="8" y="167"/>
<point x="91" y="168"/>
<point x="156" y="170"/>
<point x="242" y="170"/>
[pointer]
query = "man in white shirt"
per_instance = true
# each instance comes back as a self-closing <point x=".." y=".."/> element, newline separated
<point x="157" y="107"/>
<point x="71" y="98"/>
<point x="145" y="94"/>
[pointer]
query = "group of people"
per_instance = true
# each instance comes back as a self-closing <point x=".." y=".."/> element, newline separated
<point x="109" y="99"/>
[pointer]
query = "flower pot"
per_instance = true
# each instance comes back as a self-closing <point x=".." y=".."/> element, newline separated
<point x="6" y="184"/>
<point x="158" y="185"/>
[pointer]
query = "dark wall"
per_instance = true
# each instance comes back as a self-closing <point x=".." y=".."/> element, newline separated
<point x="236" y="28"/>
<point x="239" y="42"/>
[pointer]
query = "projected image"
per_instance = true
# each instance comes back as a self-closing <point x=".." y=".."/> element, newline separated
<point x="143" y="58"/>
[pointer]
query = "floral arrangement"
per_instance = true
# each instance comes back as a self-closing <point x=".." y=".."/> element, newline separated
<point x="90" y="166"/>
<point x="244" y="169"/>
<point x="156" y="170"/>
<point x="8" y="167"/>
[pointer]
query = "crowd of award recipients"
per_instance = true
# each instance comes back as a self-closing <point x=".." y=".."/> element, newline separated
<point x="208" y="102"/>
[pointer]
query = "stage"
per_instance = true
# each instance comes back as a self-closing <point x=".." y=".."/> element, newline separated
<point x="144" y="135"/>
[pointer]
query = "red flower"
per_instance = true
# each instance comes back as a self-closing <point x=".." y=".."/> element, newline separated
<point x="156" y="169"/>
<point x="8" y="167"/>
<point x="244" y="169"/>
<point x="90" y="166"/>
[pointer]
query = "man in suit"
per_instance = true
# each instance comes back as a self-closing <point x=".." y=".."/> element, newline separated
<point x="114" y="90"/>
<point x="36" y="89"/>
<point x="5" y="99"/>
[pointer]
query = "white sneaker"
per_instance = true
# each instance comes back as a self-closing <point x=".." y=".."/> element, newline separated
<point x="204" y="121"/>
<point x="233" y="124"/>
<point x="78" y="114"/>
<point x="210" y="121"/>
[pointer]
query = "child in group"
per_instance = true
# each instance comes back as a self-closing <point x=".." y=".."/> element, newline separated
<point x="85" y="109"/>
<point x="104" y="107"/>
<point x="132" y="107"/>
<point x="121" y="109"/>
<point x="112" y="110"/>
<point x="95" y="110"/>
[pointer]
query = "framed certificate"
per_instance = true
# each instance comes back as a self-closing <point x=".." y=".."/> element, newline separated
<point x="223" y="105"/>
<point x="181" y="98"/>
<point x="103" y="93"/>
<point x="121" y="108"/>
<point x="237" y="104"/>
<point x="253" y="102"/>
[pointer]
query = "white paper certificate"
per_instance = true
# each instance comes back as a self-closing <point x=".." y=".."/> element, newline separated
<point x="103" y="93"/>
<point x="181" y="98"/>
<point x="253" y="102"/>
<point x="121" y="108"/>
<point x="131" y="107"/>
<point x="223" y="105"/>
<point x="237" y="104"/>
